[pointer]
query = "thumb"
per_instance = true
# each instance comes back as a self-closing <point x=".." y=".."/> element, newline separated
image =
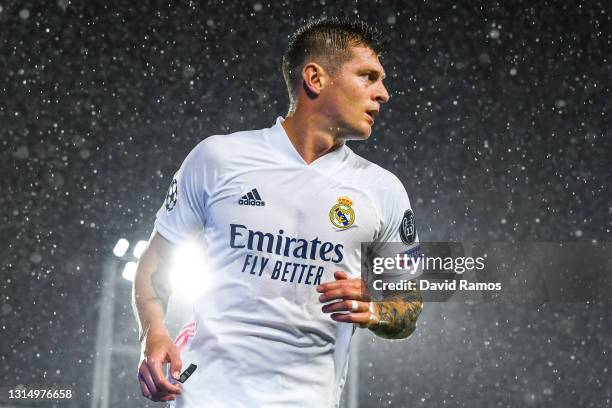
<point x="340" y="275"/>
<point x="176" y="365"/>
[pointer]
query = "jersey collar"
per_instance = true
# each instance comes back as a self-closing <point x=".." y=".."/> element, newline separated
<point x="280" y="142"/>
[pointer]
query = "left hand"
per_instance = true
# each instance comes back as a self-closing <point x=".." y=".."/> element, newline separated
<point x="350" y="296"/>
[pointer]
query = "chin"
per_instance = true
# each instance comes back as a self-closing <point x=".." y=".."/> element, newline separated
<point x="358" y="132"/>
<point x="358" y="135"/>
<point x="364" y="133"/>
<point x="366" y="136"/>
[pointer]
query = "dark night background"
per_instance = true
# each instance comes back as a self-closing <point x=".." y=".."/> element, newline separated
<point x="499" y="126"/>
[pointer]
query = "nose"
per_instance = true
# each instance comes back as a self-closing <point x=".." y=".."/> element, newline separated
<point x="382" y="96"/>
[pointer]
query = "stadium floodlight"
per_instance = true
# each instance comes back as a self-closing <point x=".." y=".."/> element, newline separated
<point x="121" y="247"/>
<point x="139" y="248"/>
<point x="188" y="270"/>
<point x="129" y="271"/>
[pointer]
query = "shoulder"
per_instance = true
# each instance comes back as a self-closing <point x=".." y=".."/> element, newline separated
<point x="222" y="148"/>
<point x="375" y="177"/>
<point x="229" y="143"/>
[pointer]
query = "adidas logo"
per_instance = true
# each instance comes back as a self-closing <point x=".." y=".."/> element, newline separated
<point x="252" y="198"/>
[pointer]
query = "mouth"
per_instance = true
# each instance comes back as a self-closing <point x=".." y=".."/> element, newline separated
<point x="371" y="114"/>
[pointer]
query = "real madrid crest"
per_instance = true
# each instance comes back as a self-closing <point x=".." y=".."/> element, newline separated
<point x="342" y="214"/>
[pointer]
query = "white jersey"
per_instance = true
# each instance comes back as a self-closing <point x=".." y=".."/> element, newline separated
<point x="274" y="227"/>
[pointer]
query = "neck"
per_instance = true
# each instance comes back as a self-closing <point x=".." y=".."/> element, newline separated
<point x="311" y="135"/>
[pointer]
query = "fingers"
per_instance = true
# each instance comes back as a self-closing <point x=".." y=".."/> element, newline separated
<point x="340" y="283"/>
<point x="169" y="397"/>
<point x="152" y="381"/>
<point x="343" y="288"/>
<point x="345" y="306"/>
<point x="344" y="293"/>
<point x="149" y="388"/>
<point x="362" y="318"/>
<point x="145" y="377"/>
<point x="176" y="365"/>
<point x="355" y="283"/>
<point x="157" y="351"/>
<point x="143" y="387"/>
<point x="153" y="396"/>
<point x="340" y="275"/>
<point x="161" y="382"/>
<point x="347" y="291"/>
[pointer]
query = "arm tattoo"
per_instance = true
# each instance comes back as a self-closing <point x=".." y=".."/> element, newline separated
<point x="397" y="315"/>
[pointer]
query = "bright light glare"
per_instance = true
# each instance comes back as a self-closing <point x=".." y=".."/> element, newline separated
<point x="188" y="271"/>
<point x="121" y="247"/>
<point x="129" y="271"/>
<point x="139" y="248"/>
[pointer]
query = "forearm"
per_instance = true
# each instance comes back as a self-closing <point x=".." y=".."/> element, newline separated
<point x="396" y="315"/>
<point x="151" y="291"/>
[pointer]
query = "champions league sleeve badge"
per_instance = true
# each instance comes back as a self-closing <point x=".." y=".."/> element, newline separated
<point x="407" y="228"/>
<point x="342" y="214"/>
<point x="172" y="195"/>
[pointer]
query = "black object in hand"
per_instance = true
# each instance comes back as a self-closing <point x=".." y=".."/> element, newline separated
<point x="187" y="373"/>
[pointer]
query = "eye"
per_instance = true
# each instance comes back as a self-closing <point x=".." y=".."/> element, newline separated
<point x="369" y="76"/>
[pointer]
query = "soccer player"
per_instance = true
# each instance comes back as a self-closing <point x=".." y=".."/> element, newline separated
<point x="282" y="213"/>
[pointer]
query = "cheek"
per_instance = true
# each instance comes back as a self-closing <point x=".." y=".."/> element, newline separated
<point x="351" y="94"/>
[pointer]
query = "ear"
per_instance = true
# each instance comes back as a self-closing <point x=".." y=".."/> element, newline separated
<point x="314" y="78"/>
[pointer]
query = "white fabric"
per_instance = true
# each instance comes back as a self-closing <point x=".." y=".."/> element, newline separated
<point x="261" y="339"/>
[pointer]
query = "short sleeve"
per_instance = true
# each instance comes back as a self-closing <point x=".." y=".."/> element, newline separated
<point x="398" y="234"/>
<point x="183" y="213"/>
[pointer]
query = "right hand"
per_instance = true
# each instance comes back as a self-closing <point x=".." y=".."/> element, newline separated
<point x="158" y="349"/>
